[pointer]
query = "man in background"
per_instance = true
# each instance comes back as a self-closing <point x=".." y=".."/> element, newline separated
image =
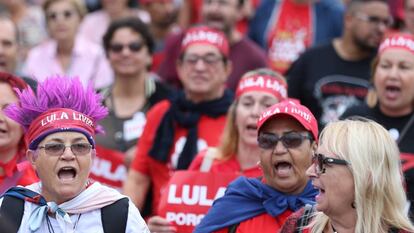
<point x="331" y="78"/>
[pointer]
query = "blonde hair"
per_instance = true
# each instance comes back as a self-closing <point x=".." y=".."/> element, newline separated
<point x="375" y="164"/>
<point x="230" y="136"/>
<point x="78" y="4"/>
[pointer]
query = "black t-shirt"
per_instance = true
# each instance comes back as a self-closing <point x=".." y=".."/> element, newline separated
<point x="328" y="84"/>
<point x="395" y="126"/>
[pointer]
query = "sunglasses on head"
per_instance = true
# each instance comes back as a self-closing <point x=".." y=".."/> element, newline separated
<point x="57" y="149"/>
<point x="67" y="14"/>
<point x="289" y="140"/>
<point x="319" y="160"/>
<point x="133" y="47"/>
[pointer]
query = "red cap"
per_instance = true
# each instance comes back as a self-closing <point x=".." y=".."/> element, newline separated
<point x="397" y="40"/>
<point x="205" y="35"/>
<point x="291" y="108"/>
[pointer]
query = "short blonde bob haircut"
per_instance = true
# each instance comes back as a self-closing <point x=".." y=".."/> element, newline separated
<point x="78" y="4"/>
<point x="230" y="135"/>
<point x="375" y="164"/>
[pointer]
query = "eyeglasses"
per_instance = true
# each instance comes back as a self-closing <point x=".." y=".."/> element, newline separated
<point x="375" y="20"/>
<point x="53" y="16"/>
<point x="289" y="140"/>
<point x="57" y="149"/>
<point x="133" y="47"/>
<point x="209" y="59"/>
<point x="319" y="160"/>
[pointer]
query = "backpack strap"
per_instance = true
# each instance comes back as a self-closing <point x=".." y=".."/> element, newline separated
<point x="303" y="221"/>
<point x="208" y="159"/>
<point x="114" y="216"/>
<point x="11" y="214"/>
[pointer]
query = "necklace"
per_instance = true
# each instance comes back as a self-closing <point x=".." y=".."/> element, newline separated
<point x="333" y="229"/>
<point x="50" y="227"/>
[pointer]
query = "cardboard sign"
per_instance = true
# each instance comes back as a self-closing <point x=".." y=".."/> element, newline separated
<point x="189" y="195"/>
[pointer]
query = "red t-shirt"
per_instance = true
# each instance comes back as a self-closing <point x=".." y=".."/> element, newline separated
<point x="225" y="166"/>
<point x="209" y="131"/>
<point x="27" y="176"/>
<point x="291" y="34"/>
<point x="261" y="223"/>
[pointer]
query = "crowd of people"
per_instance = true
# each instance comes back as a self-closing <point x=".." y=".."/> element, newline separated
<point x="166" y="116"/>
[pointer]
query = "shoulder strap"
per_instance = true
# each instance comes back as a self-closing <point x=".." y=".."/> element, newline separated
<point x="304" y="219"/>
<point x="11" y="214"/>
<point x="208" y="159"/>
<point x="114" y="216"/>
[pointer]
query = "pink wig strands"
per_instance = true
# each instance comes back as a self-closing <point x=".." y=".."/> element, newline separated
<point x="57" y="92"/>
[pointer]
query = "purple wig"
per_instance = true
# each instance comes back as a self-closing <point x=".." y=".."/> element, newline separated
<point x="57" y="92"/>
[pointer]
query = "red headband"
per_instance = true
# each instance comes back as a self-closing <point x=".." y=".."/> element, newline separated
<point x="59" y="120"/>
<point x="205" y="35"/>
<point x="264" y="83"/>
<point x="397" y="40"/>
<point x="13" y="81"/>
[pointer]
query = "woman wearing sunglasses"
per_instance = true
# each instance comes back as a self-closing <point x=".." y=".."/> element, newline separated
<point x="391" y="100"/>
<point x="128" y="45"/>
<point x="12" y="145"/>
<point x="358" y="174"/>
<point x="286" y="137"/>
<point x="66" y="53"/>
<point x="60" y="123"/>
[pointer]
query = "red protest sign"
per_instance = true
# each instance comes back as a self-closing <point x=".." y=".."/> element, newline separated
<point x="189" y="195"/>
<point x="108" y="167"/>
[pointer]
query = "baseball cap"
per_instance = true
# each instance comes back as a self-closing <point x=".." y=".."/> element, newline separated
<point x="294" y="109"/>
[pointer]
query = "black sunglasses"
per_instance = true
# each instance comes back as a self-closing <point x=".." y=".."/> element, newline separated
<point x="57" y="149"/>
<point x="133" y="47"/>
<point x="319" y="160"/>
<point x="289" y="140"/>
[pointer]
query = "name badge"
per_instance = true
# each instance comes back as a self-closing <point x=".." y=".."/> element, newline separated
<point x="133" y="128"/>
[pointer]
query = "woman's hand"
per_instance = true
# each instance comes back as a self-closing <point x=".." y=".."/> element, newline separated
<point x="157" y="224"/>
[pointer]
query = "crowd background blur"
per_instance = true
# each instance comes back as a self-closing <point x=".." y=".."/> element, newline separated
<point x="324" y="46"/>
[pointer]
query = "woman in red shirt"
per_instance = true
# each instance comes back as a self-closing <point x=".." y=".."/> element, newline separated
<point x="238" y="151"/>
<point x="12" y="147"/>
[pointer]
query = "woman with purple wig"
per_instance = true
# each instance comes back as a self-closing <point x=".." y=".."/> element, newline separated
<point x="60" y="123"/>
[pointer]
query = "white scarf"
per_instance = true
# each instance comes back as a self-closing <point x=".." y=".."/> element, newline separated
<point x="94" y="197"/>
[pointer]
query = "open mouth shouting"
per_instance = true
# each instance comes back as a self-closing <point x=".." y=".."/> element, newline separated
<point x="283" y="168"/>
<point x="67" y="174"/>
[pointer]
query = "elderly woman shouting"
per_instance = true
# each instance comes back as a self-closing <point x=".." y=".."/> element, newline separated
<point x="286" y="136"/>
<point x="357" y="172"/>
<point x="60" y="123"/>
